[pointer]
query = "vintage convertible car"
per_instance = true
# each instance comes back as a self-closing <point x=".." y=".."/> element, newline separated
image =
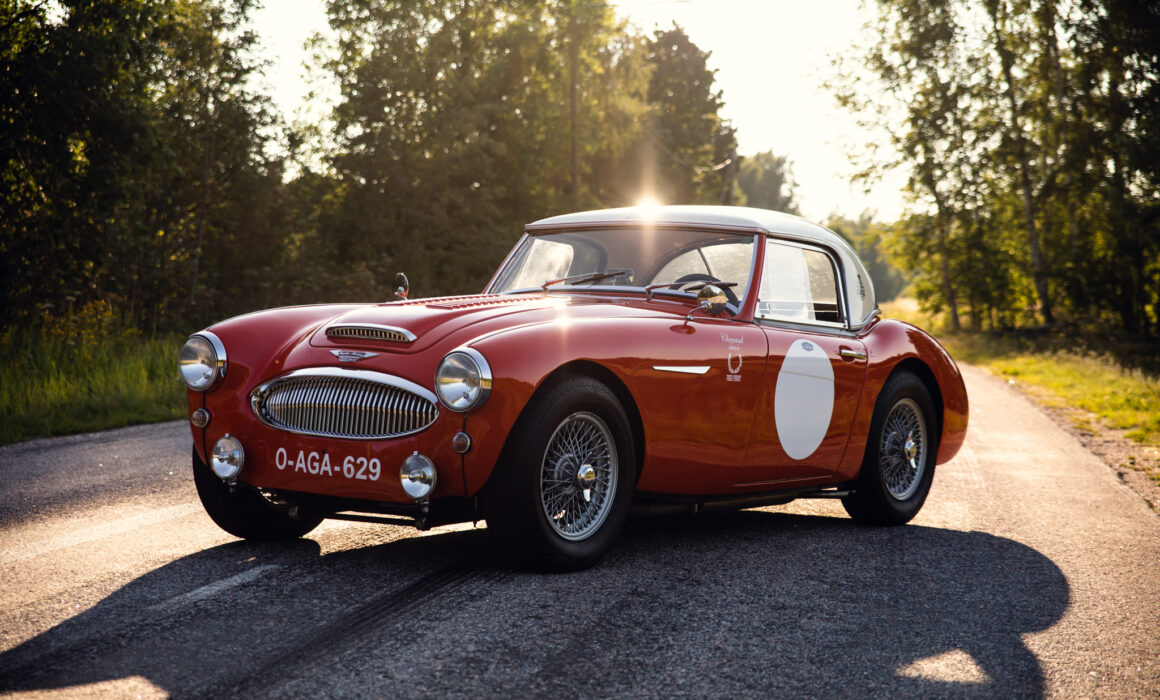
<point x="657" y="358"/>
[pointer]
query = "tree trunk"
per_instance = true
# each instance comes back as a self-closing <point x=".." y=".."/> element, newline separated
<point x="942" y="231"/>
<point x="1038" y="263"/>
<point x="945" y="267"/>
<point x="574" y="89"/>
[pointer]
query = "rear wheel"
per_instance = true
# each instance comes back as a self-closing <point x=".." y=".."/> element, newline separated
<point x="243" y="513"/>
<point x="560" y="495"/>
<point x="898" y="468"/>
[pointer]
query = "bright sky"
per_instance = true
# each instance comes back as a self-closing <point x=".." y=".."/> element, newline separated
<point x="771" y="58"/>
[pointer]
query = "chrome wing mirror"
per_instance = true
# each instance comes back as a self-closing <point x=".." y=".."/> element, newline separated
<point x="711" y="299"/>
<point x="402" y="286"/>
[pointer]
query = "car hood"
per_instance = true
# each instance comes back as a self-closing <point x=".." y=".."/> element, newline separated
<point x="414" y="326"/>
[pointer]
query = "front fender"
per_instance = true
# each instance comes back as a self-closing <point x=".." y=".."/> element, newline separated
<point x="521" y="360"/>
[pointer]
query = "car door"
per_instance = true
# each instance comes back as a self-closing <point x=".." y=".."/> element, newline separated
<point x="814" y="371"/>
<point x="697" y="405"/>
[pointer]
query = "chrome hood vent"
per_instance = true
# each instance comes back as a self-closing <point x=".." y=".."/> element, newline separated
<point x="350" y="404"/>
<point x="369" y="331"/>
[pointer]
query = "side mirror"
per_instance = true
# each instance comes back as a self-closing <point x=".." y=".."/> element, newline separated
<point x="712" y="300"/>
<point x="402" y="286"/>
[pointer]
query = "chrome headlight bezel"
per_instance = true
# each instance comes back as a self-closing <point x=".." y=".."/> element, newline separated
<point x="202" y="361"/>
<point x="463" y="380"/>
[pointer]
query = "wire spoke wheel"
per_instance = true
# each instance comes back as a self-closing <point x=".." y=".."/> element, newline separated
<point x="905" y="442"/>
<point x="578" y="476"/>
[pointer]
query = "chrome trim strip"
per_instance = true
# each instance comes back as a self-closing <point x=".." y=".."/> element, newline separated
<point x="370" y="331"/>
<point x="315" y="392"/>
<point x="219" y="349"/>
<point x="682" y="369"/>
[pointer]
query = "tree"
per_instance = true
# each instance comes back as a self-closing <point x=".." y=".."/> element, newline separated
<point x="1022" y="125"/>
<point x="459" y="123"/>
<point x="688" y="141"/>
<point x="134" y="160"/>
<point x="766" y="182"/>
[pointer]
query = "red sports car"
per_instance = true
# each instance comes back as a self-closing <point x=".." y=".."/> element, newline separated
<point x="664" y="358"/>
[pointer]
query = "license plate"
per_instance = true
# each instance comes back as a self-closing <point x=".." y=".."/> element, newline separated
<point x="320" y="464"/>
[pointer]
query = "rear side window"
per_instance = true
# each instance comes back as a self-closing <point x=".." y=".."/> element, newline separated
<point x="798" y="284"/>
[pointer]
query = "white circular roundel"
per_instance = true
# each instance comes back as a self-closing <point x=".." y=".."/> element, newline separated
<point x="803" y="399"/>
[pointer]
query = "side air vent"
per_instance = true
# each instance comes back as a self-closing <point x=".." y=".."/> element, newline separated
<point x="370" y="331"/>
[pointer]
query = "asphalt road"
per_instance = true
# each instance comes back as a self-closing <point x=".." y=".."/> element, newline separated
<point x="1031" y="571"/>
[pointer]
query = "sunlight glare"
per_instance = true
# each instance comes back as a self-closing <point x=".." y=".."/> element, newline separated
<point x="648" y="206"/>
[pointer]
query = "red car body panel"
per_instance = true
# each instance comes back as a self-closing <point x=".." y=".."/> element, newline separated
<point x="703" y="434"/>
<point x="701" y="390"/>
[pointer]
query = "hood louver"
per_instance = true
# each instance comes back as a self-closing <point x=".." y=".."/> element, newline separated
<point x="369" y="331"/>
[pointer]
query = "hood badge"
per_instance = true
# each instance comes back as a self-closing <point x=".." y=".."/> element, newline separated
<point x="352" y="355"/>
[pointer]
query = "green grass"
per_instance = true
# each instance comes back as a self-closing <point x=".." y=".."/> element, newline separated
<point x="1063" y="370"/>
<point x="70" y="377"/>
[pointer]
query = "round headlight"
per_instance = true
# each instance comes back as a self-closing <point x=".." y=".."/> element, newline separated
<point x="202" y="361"/>
<point x="463" y="380"/>
<point x="227" y="458"/>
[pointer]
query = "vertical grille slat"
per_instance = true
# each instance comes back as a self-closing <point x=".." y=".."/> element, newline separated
<point x="336" y="403"/>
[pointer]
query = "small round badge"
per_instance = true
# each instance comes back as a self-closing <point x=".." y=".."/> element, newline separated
<point x="807" y="346"/>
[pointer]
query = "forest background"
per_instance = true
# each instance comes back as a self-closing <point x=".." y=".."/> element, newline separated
<point x="148" y="188"/>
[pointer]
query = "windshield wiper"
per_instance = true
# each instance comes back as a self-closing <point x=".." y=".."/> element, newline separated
<point x="696" y="287"/>
<point x="580" y="279"/>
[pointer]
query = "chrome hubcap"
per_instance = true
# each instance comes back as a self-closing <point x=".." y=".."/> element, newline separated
<point x="904" y="449"/>
<point x="585" y="480"/>
<point x="578" y="476"/>
<point x="911" y="447"/>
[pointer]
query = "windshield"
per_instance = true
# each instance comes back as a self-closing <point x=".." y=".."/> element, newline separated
<point x="633" y="258"/>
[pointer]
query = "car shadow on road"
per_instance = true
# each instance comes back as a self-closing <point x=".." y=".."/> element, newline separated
<point x="823" y="606"/>
<point x="750" y="602"/>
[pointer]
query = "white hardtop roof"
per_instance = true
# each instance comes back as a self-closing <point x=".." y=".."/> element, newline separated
<point x="741" y="218"/>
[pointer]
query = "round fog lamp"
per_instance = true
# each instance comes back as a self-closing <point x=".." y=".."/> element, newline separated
<point x="227" y="458"/>
<point x="418" y="476"/>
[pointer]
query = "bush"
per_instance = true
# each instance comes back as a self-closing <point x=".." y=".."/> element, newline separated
<point x="85" y="370"/>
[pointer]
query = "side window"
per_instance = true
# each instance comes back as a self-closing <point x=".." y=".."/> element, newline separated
<point x="798" y="284"/>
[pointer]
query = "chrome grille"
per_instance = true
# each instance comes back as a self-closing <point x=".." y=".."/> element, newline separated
<point x="367" y="331"/>
<point x="352" y="404"/>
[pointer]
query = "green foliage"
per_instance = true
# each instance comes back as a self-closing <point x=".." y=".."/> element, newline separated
<point x="687" y="140"/>
<point x="1027" y="130"/>
<point x="140" y="171"/>
<point x="867" y="238"/>
<point x="1118" y="382"/>
<point x="133" y="160"/>
<point x="85" y="370"/>
<point x="767" y="183"/>
<point x="458" y="124"/>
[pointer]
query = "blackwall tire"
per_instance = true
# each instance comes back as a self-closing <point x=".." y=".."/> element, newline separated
<point x="560" y="495"/>
<point x="243" y="513"/>
<point x="898" y="467"/>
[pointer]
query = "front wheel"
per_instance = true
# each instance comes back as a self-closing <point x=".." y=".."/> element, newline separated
<point x="898" y="468"/>
<point x="243" y="513"/>
<point x="560" y="495"/>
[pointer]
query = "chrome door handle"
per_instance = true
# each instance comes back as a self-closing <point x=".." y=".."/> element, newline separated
<point x="848" y="354"/>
